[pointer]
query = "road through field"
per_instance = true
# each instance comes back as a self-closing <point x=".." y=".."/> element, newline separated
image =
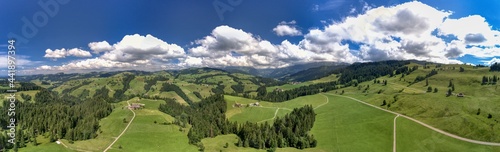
<point x="394" y="141"/>
<point x="124" y="130"/>
<point x="423" y="124"/>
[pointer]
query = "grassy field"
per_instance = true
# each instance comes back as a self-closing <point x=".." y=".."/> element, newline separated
<point x="414" y="137"/>
<point x="346" y="125"/>
<point x="457" y="115"/>
<point x="145" y="135"/>
<point x="267" y="109"/>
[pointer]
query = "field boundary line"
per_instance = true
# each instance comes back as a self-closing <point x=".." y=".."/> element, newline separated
<point x="424" y="124"/>
<point x="124" y="130"/>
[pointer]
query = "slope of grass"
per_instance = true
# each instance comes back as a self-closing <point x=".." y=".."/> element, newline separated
<point x="414" y="137"/>
<point x="457" y="115"/>
<point x="145" y="135"/>
<point x="111" y="127"/>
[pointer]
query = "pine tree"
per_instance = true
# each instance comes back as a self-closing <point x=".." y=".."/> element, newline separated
<point x="485" y="80"/>
<point x="435" y="90"/>
<point x="429" y="89"/>
<point x="426" y="82"/>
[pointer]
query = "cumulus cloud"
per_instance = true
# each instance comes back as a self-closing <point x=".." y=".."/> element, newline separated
<point x="62" y="53"/>
<point x="287" y="29"/>
<point x="492" y="61"/>
<point x="98" y="47"/>
<point x="137" y="48"/>
<point x="411" y="30"/>
<point x="88" y="64"/>
<point x="132" y="52"/>
<point x="225" y="39"/>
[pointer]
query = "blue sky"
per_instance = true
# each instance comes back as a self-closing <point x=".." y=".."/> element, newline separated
<point x="81" y="36"/>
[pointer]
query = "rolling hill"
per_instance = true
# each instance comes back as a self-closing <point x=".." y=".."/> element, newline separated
<point x="458" y="99"/>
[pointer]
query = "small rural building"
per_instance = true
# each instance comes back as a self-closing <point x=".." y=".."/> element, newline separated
<point x="278" y="90"/>
<point x="256" y="104"/>
<point x="460" y="95"/>
<point x="135" y="106"/>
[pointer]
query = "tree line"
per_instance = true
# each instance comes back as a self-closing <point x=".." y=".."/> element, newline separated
<point x="280" y="96"/>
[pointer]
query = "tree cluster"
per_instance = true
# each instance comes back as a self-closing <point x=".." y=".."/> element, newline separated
<point x="369" y="71"/>
<point x="290" y="131"/>
<point x="55" y="118"/>
<point x="421" y="78"/>
<point x="208" y="119"/>
<point x="490" y="80"/>
<point x="495" y="67"/>
<point x="280" y="96"/>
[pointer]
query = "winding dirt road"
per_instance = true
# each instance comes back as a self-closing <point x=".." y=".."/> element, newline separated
<point x="425" y="125"/>
<point x="130" y="122"/>
<point x="327" y="101"/>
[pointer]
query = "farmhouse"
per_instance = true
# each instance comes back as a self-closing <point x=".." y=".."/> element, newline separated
<point x="136" y="106"/>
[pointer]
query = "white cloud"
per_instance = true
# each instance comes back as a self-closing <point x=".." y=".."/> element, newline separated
<point x="88" y="64"/>
<point x="225" y="39"/>
<point x="137" y="48"/>
<point x="287" y="29"/>
<point x="492" y="61"/>
<point x="62" y="53"/>
<point x="98" y="47"/>
<point x="132" y="52"/>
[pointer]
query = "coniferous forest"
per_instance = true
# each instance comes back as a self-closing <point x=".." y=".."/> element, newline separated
<point x="55" y="118"/>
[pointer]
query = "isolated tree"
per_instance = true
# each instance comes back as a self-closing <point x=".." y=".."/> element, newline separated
<point x="385" y="82"/>
<point x="426" y="82"/>
<point x="453" y="87"/>
<point x="435" y="90"/>
<point x="449" y="92"/>
<point x="429" y="89"/>
<point x="450" y="84"/>
<point x="462" y="69"/>
<point x="383" y="103"/>
<point x="478" y="111"/>
<point x="490" y="116"/>
<point x="495" y="78"/>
